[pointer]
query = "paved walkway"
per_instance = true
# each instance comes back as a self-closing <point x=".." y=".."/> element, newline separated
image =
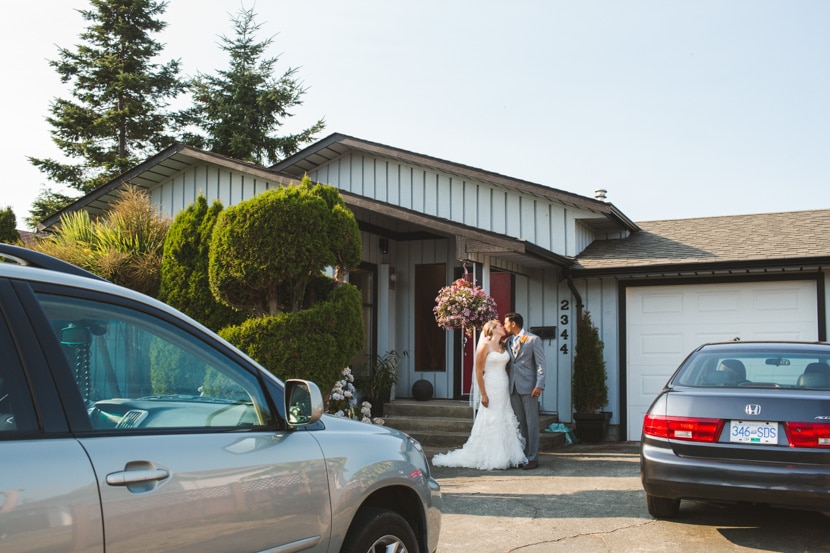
<point x="588" y="498"/>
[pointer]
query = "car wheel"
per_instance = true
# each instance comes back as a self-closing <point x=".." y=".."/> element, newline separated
<point x="662" y="507"/>
<point x="378" y="531"/>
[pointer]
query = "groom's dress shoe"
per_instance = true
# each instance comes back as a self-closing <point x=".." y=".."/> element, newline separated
<point x="530" y="465"/>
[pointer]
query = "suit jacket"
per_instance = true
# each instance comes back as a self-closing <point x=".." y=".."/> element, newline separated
<point x="527" y="367"/>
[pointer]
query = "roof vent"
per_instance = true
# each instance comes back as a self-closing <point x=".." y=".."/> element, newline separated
<point x="600" y="194"/>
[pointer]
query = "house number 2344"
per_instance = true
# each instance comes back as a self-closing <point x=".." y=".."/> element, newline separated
<point x="564" y="319"/>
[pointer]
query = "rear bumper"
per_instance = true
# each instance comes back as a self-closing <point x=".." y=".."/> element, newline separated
<point x="665" y="474"/>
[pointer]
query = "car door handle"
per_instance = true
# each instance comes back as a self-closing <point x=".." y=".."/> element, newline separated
<point x="141" y="476"/>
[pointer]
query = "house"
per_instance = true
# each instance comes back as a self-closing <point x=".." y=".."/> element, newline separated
<point x="655" y="290"/>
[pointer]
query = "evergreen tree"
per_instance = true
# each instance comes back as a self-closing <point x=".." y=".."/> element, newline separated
<point x="589" y="390"/>
<point x="240" y="109"/>
<point x="8" y="226"/>
<point x="117" y="115"/>
<point x="47" y="203"/>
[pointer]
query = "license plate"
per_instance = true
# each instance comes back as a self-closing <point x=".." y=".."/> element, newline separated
<point x="753" y="432"/>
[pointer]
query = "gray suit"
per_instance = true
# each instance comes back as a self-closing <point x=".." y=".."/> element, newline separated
<point x="527" y="371"/>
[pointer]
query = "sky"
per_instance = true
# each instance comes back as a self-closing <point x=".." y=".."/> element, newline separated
<point x="679" y="109"/>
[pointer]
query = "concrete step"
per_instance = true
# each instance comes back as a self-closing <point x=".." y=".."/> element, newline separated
<point x="443" y="423"/>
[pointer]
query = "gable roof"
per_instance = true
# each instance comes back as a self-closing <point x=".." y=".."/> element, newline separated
<point x="372" y="215"/>
<point x="798" y="240"/>
<point x="154" y="171"/>
<point x="609" y="218"/>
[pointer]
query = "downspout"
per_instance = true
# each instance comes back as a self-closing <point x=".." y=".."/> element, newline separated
<point x="575" y="294"/>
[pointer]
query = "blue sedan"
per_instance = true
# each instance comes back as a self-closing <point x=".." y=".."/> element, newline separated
<point x="741" y="422"/>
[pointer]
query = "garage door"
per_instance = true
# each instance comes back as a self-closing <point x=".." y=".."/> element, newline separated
<point x="664" y="323"/>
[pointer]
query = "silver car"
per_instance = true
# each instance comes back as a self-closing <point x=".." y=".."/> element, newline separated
<point x="127" y="427"/>
<point x="741" y="422"/>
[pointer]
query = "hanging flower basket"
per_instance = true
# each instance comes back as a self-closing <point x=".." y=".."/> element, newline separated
<point x="464" y="305"/>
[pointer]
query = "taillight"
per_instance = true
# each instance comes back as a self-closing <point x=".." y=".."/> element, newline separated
<point x="682" y="428"/>
<point x="808" y="434"/>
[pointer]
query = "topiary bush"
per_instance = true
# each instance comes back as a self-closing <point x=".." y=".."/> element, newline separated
<point x="184" y="268"/>
<point x="314" y="343"/>
<point x="589" y="390"/>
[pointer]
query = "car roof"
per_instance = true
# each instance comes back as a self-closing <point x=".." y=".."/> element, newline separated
<point x="61" y="273"/>
<point x="772" y="346"/>
<point x="55" y="271"/>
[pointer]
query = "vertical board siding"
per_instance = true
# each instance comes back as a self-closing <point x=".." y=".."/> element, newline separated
<point x="393" y="186"/>
<point x="583" y="237"/>
<point x="406" y="187"/>
<point x="430" y="200"/>
<point x="228" y="187"/>
<point x="381" y="180"/>
<point x="512" y="210"/>
<point x="478" y="204"/>
<point x="449" y="192"/>
<point x="469" y="199"/>
<point x="600" y="298"/>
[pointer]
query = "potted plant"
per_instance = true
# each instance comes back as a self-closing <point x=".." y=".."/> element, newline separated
<point x="383" y="375"/>
<point x="589" y="390"/>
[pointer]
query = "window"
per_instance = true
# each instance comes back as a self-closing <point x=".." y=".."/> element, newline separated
<point x="364" y="279"/>
<point x="16" y="411"/>
<point x="136" y="371"/>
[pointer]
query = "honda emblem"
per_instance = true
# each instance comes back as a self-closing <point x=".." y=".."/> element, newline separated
<point x="753" y="409"/>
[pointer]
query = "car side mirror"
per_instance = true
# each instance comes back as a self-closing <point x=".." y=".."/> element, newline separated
<point x="303" y="403"/>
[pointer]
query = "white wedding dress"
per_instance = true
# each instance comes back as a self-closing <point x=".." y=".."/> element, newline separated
<point x="495" y="441"/>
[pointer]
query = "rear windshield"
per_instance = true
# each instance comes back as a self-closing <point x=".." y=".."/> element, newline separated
<point x="763" y="369"/>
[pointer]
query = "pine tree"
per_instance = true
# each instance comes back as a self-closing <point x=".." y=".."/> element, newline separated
<point x="240" y="109"/>
<point x="8" y="224"/>
<point x="117" y="115"/>
<point x="589" y="390"/>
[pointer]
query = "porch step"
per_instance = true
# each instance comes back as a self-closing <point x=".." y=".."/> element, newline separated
<point x="446" y="423"/>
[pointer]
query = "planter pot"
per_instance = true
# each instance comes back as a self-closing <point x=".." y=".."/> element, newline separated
<point x="377" y="406"/>
<point x="591" y="428"/>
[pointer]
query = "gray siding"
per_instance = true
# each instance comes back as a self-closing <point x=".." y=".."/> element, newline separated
<point x="474" y="203"/>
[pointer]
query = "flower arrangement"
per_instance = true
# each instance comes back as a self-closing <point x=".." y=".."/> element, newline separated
<point x="343" y="401"/>
<point x="462" y="304"/>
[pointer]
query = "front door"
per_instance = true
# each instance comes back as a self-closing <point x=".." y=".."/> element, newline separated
<point x="501" y="290"/>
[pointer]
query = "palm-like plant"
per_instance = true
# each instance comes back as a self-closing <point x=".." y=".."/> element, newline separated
<point x="125" y="246"/>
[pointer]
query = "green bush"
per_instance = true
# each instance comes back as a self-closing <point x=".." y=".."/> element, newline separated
<point x="589" y="390"/>
<point x="314" y="343"/>
<point x="184" y="269"/>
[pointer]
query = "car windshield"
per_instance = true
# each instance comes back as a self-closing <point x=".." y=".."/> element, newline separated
<point x="761" y="368"/>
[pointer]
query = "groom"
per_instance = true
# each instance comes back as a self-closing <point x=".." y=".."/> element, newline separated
<point x="527" y="380"/>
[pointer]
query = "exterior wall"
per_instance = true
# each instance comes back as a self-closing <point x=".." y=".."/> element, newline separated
<point x="212" y="182"/>
<point x="601" y="298"/>
<point x="539" y="294"/>
<point x="477" y="204"/>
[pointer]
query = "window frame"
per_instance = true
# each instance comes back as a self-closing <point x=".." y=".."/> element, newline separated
<point x="70" y="394"/>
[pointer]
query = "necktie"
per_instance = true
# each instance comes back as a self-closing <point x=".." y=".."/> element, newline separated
<point x="516" y="345"/>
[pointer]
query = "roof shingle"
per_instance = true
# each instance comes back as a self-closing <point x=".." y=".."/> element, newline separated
<point x="740" y="238"/>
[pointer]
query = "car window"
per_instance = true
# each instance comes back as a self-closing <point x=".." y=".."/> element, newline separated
<point x="16" y="410"/>
<point x="135" y="371"/>
<point x="761" y="369"/>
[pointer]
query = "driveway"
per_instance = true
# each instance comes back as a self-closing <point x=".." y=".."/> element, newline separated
<point x="588" y="498"/>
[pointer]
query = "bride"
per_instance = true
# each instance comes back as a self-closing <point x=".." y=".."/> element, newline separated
<point x="495" y="441"/>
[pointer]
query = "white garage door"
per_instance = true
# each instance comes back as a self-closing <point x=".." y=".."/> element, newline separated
<point x="665" y="323"/>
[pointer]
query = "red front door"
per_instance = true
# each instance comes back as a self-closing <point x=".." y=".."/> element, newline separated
<point x="501" y="290"/>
